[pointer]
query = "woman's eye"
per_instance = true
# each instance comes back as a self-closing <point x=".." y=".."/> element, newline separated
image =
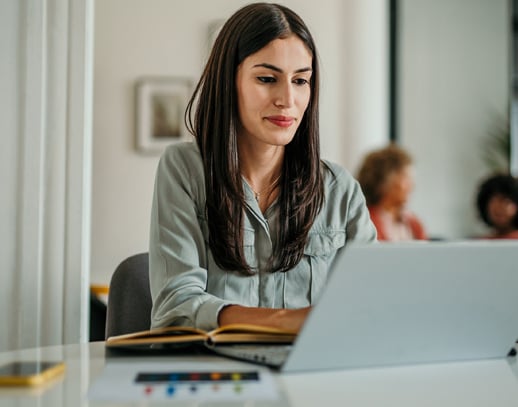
<point x="301" y="81"/>
<point x="266" y="79"/>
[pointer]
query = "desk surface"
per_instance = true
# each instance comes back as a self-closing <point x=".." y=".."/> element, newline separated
<point x="478" y="383"/>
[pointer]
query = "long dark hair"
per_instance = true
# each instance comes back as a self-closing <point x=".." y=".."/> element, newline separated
<point x="215" y="124"/>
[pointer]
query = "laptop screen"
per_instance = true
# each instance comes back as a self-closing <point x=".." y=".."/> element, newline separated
<point x="394" y="304"/>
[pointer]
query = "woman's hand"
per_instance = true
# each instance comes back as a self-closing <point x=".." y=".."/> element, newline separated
<point x="288" y="319"/>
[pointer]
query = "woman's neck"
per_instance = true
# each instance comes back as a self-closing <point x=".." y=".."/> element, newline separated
<point x="261" y="167"/>
<point x="262" y="171"/>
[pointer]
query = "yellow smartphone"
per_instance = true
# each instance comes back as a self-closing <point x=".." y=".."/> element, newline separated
<point x="29" y="373"/>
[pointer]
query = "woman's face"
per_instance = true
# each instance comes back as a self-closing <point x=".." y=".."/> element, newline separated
<point x="273" y="90"/>
<point x="501" y="211"/>
<point x="398" y="186"/>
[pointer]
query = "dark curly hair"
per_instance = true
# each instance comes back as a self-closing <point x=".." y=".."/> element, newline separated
<point x="499" y="184"/>
<point x="377" y="167"/>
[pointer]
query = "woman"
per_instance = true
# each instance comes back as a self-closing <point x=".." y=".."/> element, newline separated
<point x="246" y="220"/>
<point x="497" y="204"/>
<point x="387" y="181"/>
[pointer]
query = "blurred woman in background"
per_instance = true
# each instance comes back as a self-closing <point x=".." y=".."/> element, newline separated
<point x="387" y="180"/>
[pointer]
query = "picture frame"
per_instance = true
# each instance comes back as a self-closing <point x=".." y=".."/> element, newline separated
<point x="160" y="108"/>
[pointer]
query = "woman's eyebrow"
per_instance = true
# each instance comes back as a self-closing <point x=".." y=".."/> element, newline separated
<point x="277" y="69"/>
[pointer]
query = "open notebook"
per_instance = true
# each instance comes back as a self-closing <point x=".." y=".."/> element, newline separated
<point x="394" y="304"/>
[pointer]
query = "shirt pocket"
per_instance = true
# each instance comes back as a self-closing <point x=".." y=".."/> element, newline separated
<point x="303" y="284"/>
<point x="248" y="242"/>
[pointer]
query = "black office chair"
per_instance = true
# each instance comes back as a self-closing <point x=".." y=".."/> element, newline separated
<point x="97" y="318"/>
<point x="129" y="297"/>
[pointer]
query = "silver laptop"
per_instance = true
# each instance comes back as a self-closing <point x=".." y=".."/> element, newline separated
<point x="394" y="304"/>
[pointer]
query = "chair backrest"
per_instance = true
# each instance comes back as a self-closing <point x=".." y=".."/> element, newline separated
<point x="129" y="297"/>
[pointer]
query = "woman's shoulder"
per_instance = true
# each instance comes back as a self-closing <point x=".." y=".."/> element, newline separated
<point x="187" y="149"/>
<point x="181" y="166"/>
<point x="336" y="175"/>
<point x="182" y="157"/>
<point x="340" y="186"/>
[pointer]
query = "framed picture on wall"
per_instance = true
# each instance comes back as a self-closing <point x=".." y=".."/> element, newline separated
<point x="160" y="107"/>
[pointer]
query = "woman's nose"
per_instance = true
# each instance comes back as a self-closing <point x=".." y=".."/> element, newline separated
<point x="284" y="96"/>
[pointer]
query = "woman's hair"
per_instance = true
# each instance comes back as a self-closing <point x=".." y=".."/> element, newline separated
<point x="212" y="117"/>
<point x="377" y="166"/>
<point x="498" y="184"/>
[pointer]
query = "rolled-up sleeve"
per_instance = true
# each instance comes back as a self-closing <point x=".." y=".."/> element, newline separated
<point x="178" y="251"/>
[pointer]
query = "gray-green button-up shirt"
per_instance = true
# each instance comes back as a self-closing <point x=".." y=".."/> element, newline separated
<point x="187" y="286"/>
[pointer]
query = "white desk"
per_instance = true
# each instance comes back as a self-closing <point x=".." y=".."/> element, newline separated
<point x="481" y="383"/>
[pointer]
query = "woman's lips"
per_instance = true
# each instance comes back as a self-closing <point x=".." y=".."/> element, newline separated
<point x="281" y="121"/>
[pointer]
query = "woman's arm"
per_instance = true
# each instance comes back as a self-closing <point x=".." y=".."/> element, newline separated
<point x="177" y="249"/>
<point x="289" y="319"/>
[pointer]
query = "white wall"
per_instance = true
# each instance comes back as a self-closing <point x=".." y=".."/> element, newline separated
<point x="135" y="38"/>
<point x="454" y="85"/>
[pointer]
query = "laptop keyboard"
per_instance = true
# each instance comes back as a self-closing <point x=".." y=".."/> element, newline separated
<point x="271" y="355"/>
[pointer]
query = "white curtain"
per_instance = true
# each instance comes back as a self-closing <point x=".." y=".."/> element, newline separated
<point x="46" y="110"/>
